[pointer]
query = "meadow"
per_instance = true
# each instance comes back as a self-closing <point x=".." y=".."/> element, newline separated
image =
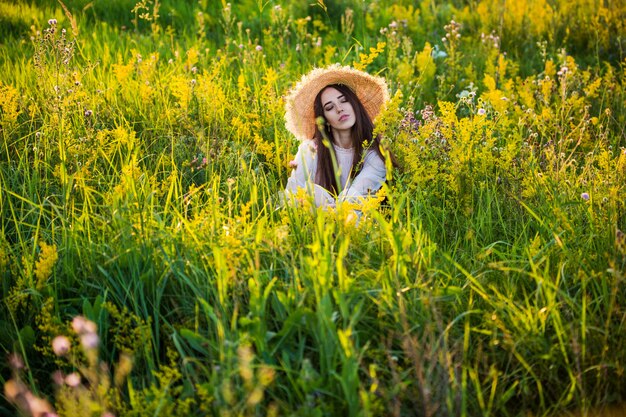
<point x="149" y="266"/>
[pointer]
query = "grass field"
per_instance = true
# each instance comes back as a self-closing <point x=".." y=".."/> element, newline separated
<point x="149" y="268"/>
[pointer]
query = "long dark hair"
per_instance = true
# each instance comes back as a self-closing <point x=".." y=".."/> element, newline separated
<point x="361" y="133"/>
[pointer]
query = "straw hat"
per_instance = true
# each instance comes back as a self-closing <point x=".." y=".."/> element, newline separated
<point x="299" y="114"/>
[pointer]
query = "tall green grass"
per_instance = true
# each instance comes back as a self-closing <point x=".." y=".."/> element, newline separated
<point x="141" y="167"/>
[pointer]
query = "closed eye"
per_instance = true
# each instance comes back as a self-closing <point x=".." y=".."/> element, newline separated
<point x="330" y="105"/>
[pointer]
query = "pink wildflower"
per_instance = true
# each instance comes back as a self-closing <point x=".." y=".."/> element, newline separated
<point x="90" y="340"/>
<point x="81" y="325"/>
<point x="73" y="379"/>
<point x="61" y="345"/>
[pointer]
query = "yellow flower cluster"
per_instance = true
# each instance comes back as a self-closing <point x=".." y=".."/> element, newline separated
<point x="4" y="255"/>
<point x="45" y="264"/>
<point x="33" y="276"/>
<point x="367" y="59"/>
<point x="9" y="108"/>
<point x="130" y="332"/>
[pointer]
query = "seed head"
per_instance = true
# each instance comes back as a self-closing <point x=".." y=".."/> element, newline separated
<point x="15" y="361"/>
<point x="58" y="377"/>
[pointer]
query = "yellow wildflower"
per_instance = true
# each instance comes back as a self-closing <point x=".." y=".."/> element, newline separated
<point x="44" y="266"/>
<point x="181" y="89"/>
<point x="366" y="59"/>
<point x="122" y="71"/>
<point x="426" y="66"/>
<point x="4" y="254"/>
<point x="8" y="104"/>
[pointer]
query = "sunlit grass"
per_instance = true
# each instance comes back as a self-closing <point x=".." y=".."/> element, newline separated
<point x="141" y="166"/>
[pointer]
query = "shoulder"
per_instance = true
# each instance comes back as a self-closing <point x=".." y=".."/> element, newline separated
<point x="306" y="155"/>
<point x="373" y="158"/>
<point x="307" y="150"/>
<point x="307" y="147"/>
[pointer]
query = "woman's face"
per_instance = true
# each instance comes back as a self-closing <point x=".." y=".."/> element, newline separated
<point x="338" y="112"/>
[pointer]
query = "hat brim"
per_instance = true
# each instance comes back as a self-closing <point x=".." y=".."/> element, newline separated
<point x="299" y="114"/>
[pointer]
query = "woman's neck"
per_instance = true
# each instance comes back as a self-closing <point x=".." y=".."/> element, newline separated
<point x="343" y="138"/>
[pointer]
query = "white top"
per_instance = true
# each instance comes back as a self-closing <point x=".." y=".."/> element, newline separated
<point x="368" y="181"/>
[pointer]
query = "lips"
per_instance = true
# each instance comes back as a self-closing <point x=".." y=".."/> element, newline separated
<point x="344" y="117"/>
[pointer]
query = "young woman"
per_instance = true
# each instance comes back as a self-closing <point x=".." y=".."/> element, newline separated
<point x="331" y="111"/>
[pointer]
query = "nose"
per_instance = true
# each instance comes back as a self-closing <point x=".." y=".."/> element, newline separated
<point x="339" y="108"/>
